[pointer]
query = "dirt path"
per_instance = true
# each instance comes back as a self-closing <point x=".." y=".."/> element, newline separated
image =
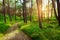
<point x="14" y="34"/>
<point x="13" y="27"/>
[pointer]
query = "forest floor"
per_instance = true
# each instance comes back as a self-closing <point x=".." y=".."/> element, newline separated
<point x="31" y="30"/>
<point x="50" y="30"/>
<point x="13" y="33"/>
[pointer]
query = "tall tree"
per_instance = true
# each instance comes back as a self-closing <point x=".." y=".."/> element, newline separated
<point x="53" y="3"/>
<point x="24" y="11"/>
<point x="31" y="10"/>
<point x="51" y="10"/>
<point x="48" y="8"/>
<point x="39" y="11"/>
<point x="9" y="10"/>
<point x="4" y="11"/>
<point x="58" y="5"/>
<point x="15" y="10"/>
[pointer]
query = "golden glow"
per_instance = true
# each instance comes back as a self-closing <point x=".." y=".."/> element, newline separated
<point x="43" y="8"/>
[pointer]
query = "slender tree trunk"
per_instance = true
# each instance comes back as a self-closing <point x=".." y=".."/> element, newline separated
<point x="53" y="3"/>
<point x="24" y="11"/>
<point x="4" y="11"/>
<point x="39" y="12"/>
<point x="15" y="10"/>
<point x="48" y="10"/>
<point x="31" y="11"/>
<point x="58" y="5"/>
<point x="9" y="11"/>
<point x="20" y="11"/>
<point x="51" y="12"/>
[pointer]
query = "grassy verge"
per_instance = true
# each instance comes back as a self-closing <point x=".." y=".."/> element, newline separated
<point x="48" y="32"/>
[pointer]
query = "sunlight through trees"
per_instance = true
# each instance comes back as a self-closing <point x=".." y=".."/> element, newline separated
<point x="31" y="16"/>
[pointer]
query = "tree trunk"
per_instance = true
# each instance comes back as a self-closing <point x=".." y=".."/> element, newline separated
<point x="48" y="9"/>
<point x="31" y="11"/>
<point x="58" y="5"/>
<point x="39" y="12"/>
<point x="15" y="10"/>
<point x="24" y="11"/>
<point x="4" y="11"/>
<point x="53" y="3"/>
<point x="51" y="12"/>
<point x="9" y="11"/>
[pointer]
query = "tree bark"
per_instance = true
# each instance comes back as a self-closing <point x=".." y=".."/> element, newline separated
<point x="4" y="11"/>
<point x="9" y="11"/>
<point x="53" y="3"/>
<point x="24" y="11"/>
<point x="48" y="9"/>
<point x="31" y="11"/>
<point x="58" y="5"/>
<point x="39" y="12"/>
<point x="15" y="10"/>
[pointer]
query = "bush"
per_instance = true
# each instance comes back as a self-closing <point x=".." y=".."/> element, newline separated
<point x="3" y="27"/>
<point x="37" y="33"/>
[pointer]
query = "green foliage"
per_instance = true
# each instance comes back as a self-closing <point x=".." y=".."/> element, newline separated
<point x="50" y="32"/>
<point x="1" y="17"/>
<point x="3" y="27"/>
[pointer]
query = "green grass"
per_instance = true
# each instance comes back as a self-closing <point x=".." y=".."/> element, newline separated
<point x="48" y="32"/>
<point x="1" y="36"/>
<point x="3" y="27"/>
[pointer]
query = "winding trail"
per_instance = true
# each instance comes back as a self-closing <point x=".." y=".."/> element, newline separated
<point x="14" y="34"/>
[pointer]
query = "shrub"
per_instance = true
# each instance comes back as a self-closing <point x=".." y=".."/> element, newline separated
<point x="3" y="27"/>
